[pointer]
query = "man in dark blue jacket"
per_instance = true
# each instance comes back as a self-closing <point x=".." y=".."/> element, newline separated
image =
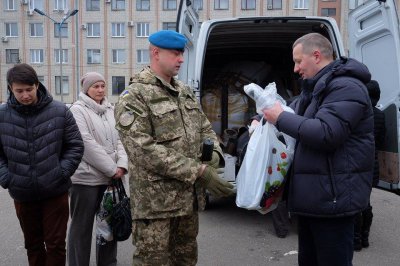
<point x="331" y="175"/>
<point x="40" y="148"/>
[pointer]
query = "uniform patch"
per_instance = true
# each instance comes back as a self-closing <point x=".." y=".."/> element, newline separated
<point x="124" y="93"/>
<point x="133" y="109"/>
<point x="127" y="118"/>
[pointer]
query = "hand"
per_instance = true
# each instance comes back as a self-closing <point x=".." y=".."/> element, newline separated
<point x="272" y="114"/>
<point x="214" y="160"/>
<point x="119" y="173"/>
<point x="253" y="126"/>
<point x="215" y="184"/>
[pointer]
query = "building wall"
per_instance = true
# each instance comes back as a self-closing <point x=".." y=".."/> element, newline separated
<point x="78" y="43"/>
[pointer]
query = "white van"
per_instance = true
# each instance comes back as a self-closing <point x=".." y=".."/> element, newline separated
<point x="224" y="54"/>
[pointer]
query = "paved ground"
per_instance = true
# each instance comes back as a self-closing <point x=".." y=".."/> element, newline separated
<point x="236" y="237"/>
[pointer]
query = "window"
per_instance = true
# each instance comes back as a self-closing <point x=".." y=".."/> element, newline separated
<point x="118" y="5"/>
<point x="118" y="85"/>
<point x="300" y="4"/>
<point x="9" y="5"/>
<point x="36" y="56"/>
<point x="93" y="56"/>
<point x="93" y="29"/>
<point x="118" y="29"/>
<point x="248" y="4"/>
<point x="41" y="79"/>
<point x="64" y="30"/>
<point x="274" y="4"/>
<point x="64" y="56"/>
<point x="142" y="29"/>
<point x="143" y="56"/>
<point x="169" y="4"/>
<point x="221" y="4"/>
<point x="169" y="26"/>
<point x="198" y="4"/>
<point x="36" y="4"/>
<point x="12" y="56"/>
<point x="142" y="5"/>
<point x="65" y="86"/>
<point x="93" y="5"/>
<point x="36" y="29"/>
<point x="60" y="5"/>
<point x="329" y="12"/>
<point x="118" y="56"/>
<point x="11" y="29"/>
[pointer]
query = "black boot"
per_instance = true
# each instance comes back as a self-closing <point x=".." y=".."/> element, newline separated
<point x="357" y="231"/>
<point x="366" y="225"/>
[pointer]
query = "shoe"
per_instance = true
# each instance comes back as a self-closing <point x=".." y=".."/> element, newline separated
<point x="364" y="239"/>
<point x="281" y="234"/>
<point x="357" y="245"/>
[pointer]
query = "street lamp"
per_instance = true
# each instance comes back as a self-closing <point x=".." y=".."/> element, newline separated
<point x="61" y="57"/>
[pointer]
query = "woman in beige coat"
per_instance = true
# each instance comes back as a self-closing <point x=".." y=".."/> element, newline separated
<point x="104" y="158"/>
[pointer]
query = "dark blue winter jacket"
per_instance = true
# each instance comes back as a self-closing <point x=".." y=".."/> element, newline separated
<point x="40" y="148"/>
<point x="334" y="157"/>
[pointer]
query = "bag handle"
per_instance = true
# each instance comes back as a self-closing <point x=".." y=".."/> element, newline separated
<point x="117" y="183"/>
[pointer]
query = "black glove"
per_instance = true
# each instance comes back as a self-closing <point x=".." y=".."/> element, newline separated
<point x="215" y="184"/>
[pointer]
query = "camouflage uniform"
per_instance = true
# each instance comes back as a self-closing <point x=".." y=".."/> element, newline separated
<point x="162" y="128"/>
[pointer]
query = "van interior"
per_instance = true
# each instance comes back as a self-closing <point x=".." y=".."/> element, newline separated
<point x="243" y="51"/>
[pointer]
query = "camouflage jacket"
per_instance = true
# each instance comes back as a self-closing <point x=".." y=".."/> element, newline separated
<point x="162" y="128"/>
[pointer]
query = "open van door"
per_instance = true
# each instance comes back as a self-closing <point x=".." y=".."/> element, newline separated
<point x="374" y="39"/>
<point x="188" y="24"/>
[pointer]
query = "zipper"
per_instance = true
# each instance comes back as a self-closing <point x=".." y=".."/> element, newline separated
<point x="32" y="154"/>
<point x="333" y="184"/>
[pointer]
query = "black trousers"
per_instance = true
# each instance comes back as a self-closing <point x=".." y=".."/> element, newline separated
<point x="325" y="241"/>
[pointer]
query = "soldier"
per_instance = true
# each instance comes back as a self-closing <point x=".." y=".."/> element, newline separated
<point x="162" y="128"/>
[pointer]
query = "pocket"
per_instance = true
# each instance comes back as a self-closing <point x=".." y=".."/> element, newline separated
<point x="193" y="114"/>
<point x="167" y="122"/>
<point x="168" y="195"/>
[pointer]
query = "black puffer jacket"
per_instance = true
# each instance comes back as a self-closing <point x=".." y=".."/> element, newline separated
<point x="379" y="133"/>
<point x="334" y="158"/>
<point x="40" y="148"/>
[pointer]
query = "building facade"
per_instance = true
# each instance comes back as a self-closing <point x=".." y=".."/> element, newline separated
<point x="111" y="36"/>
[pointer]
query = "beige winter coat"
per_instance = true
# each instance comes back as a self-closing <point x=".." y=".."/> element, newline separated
<point x="103" y="149"/>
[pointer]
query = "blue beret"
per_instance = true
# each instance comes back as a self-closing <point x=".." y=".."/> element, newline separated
<point x="168" y="39"/>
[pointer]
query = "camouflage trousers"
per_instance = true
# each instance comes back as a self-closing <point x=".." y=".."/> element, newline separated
<point x="166" y="242"/>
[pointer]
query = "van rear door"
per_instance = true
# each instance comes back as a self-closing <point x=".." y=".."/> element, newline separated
<point x="374" y="39"/>
<point x="188" y="24"/>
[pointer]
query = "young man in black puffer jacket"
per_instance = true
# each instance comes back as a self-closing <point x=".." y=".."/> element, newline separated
<point x="40" y="148"/>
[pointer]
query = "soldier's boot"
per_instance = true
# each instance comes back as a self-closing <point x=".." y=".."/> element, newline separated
<point x="357" y="231"/>
<point x="366" y="226"/>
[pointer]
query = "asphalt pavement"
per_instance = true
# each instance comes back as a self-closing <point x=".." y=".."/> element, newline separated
<point x="236" y="237"/>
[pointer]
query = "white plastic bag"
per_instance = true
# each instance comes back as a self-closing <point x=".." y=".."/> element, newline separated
<point x="261" y="175"/>
<point x="103" y="216"/>
<point x="251" y="179"/>
<point x="265" y="98"/>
